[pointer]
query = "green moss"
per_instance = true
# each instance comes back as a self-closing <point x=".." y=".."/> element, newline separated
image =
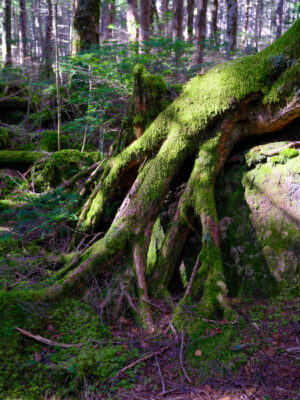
<point x="59" y="166"/>
<point x="31" y="370"/>
<point x="48" y="141"/>
<point x="19" y="159"/>
<point x="5" y="138"/>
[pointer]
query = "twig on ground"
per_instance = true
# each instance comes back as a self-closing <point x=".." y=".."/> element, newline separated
<point x="49" y="342"/>
<point x="136" y="362"/>
<point x="181" y="358"/>
<point x="163" y="386"/>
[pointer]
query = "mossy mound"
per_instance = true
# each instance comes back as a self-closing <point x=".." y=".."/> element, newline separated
<point x="48" y="141"/>
<point x="14" y="100"/>
<point x="259" y="220"/>
<point x="5" y="138"/>
<point x="60" y="166"/>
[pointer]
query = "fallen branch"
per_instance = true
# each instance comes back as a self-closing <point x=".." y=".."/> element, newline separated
<point x="48" y="342"/>
<point x="146" y="357"/>
<point x="163" y="386"/>
<point x="181" y="358"/>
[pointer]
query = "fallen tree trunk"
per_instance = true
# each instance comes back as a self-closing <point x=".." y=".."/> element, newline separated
<point x="186" y="147"/>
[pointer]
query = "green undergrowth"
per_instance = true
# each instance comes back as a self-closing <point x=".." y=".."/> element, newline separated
<point x="32" y="370"/>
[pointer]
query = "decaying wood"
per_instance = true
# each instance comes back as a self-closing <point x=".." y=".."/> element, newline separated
<point x="46" y="341"/>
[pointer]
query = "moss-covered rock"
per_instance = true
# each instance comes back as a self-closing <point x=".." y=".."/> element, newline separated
<point x="60" y="166"/>
<point x="259" y="220"/>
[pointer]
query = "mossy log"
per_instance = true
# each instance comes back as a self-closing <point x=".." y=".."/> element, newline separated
<point x="20" y="160"/>
<point x="247" y="96"/>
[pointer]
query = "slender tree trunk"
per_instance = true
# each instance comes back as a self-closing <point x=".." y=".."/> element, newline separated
<point x="111" y="16"/>
<point x="164" y="18"/>
<point x="7" y="32"/>
<point x="258" y="17"/>
<point x="279" y="12"/>
<point x="38" y="39"/>
<point x="200" y="33"/>
<point x="177" y="19"/>
<point x="57" y="75"/>
<point x="232" y="19"/>
<point x="48" y="41"/>
<point x="23" y="26"/>
<point x="214" y="20"/>
<point x="154" y="17"/>
<point x="104" y="20"/>
<point x="132" y="20"/>
<point x="144" y="20"/>
<point x="246" y="23"/>
<point x="190" y="19"/>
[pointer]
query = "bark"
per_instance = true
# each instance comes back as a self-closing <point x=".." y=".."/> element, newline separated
<point x="164" y="18"/>
<point x="279" y="12"/>
<point x="195" y="128"/>
<point x="144" y="20"/>
<point x="214" y="20"/>
<point x="190" y="19"/>
<point x="111" y="18"/>
<point x="86" y="23"/>
<point x="258" y="21"/>
<point x="132" y="20"/>
<point x="7" y="32"/>
<point x="200" y="33"/>
<point x="232" y="19"/>
<point x="154" y="17"/>
<point x="246" y="23"/>
<point x="177" y="19"/>
<point x="48" y="48"/>
<point x="23" y="26"/>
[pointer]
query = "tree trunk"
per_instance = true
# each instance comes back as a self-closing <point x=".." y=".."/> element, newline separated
<point x="48" y="48"/>
<point x="164" y="18"/>
<point x="144" y="20"/>
<point x="279" y="11"/>
<point x="111" y="18"/>
<point x="230" y="102"/>
<point x="177" y="19"/>
<point x="190" y="19"/>
<point x="7" y="32"/>
<point x="86" y="23"/>
<point x="23" y="26"/>
<point x="200" y="33"/>
<point x="214" y="20"/>
<point x="232" y="19"/>
<point x="246" y="24"/>
<point x="132" y="20"/>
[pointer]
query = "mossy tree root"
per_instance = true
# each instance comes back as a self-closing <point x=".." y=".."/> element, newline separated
<point x="213" y="113"/>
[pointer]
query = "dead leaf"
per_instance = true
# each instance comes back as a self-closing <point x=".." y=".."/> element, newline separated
<point x="270" y="351"/>
<point x="123" y="320"/>
<point x="37" y="357"/>
<point x="144" y="344"/>
<point x="139" y="388"/>
<point x="198" y="353"/>
<point x="226" y="398"/>
<point x="50" y="328"/>
<point x="250" y="391"/>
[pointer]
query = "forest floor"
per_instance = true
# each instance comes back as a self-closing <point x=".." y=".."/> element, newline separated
<point x="261" y="351"/>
